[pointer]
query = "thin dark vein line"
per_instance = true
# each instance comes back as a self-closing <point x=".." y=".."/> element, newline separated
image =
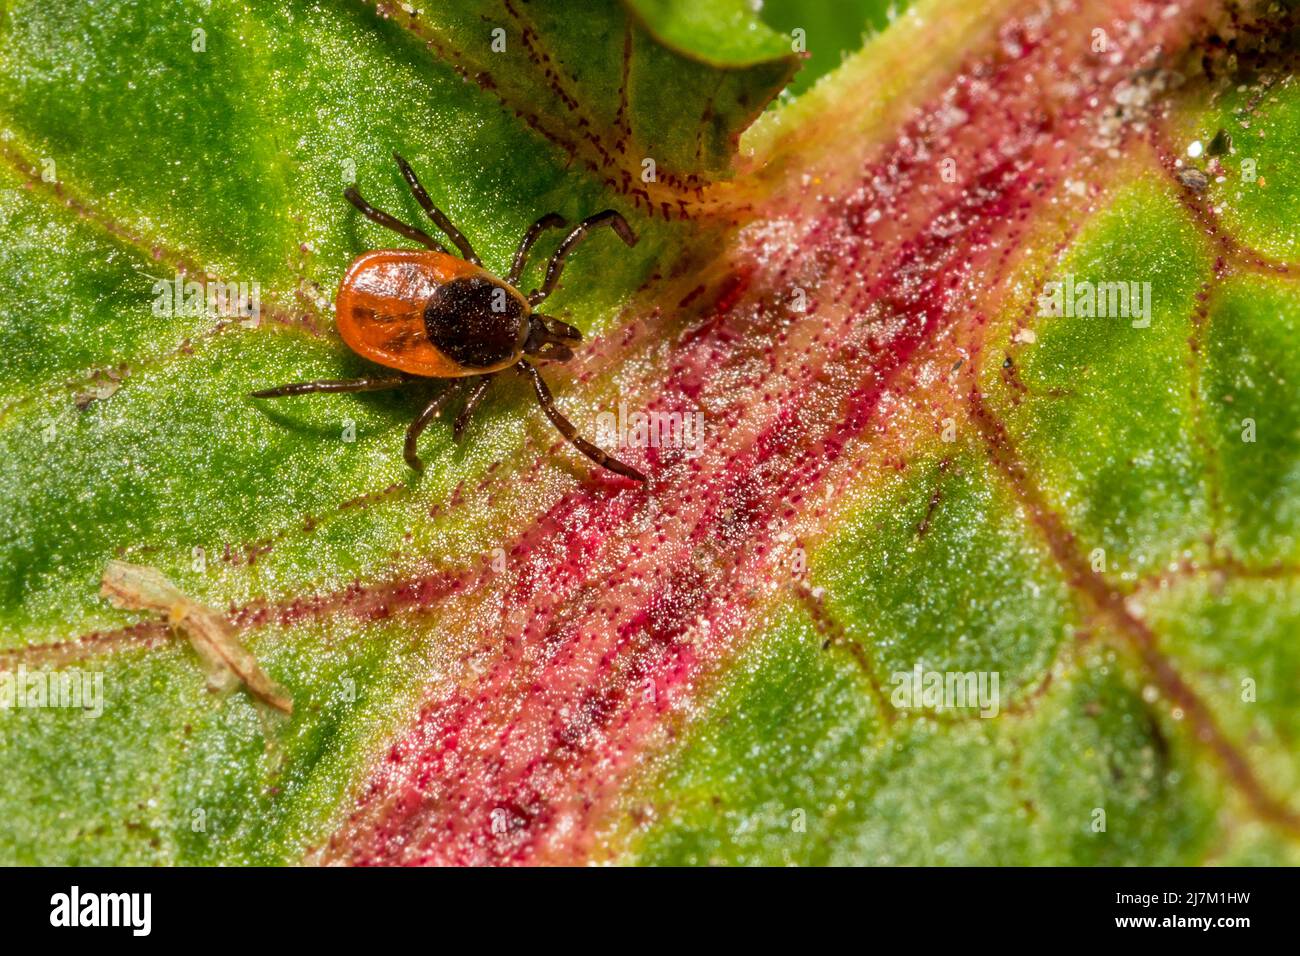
<point x="59" y="193"/>
<point x="1110" y="607"/>
<point x="835" y="634"/>
<point x="688" y="192"/>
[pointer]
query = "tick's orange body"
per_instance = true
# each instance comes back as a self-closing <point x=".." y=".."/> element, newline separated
<point x="381" y="307"/>
<point x="428" y="314"/>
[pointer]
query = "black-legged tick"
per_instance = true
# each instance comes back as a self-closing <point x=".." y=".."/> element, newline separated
<point x="430" y="314"/>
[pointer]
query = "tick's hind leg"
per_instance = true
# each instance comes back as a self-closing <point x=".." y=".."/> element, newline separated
<point x="565" y="427"/>
<point x="477" y="391"/>
<point x="437" y="215"/>
<point x="430" y="412"/>
<point x="373" y="383"/>
<point x="391" y="222"/>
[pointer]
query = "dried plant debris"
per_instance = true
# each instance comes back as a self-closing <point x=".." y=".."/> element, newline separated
<point x="1221" y="145"/>
<point x="1193" y="179"/>
<point x="102" y="386"/>
<point x="138" y="587"/>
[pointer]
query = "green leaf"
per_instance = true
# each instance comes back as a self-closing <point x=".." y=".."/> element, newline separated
<point x="907" y="466"/>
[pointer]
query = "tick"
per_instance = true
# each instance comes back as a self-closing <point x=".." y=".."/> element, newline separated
<point x="432" y="315"/>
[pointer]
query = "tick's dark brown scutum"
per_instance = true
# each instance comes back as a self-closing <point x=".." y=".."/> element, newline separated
<point x="475" y="321"/>
<point x="430" y="315"/>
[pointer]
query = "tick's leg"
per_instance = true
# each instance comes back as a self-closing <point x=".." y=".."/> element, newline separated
<point x="556" y="265"/>
<point x="565" y="427"/>
<point x="437" y="215"/>
<point x="552" y="220"/>
<point x="391" y="222"/>
<point x="477" y="391"/>
<point x="421" y="422"/>
<point x="371" y="384"/>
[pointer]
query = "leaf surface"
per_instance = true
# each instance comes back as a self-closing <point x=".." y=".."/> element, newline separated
<point x="906" y="464"/>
